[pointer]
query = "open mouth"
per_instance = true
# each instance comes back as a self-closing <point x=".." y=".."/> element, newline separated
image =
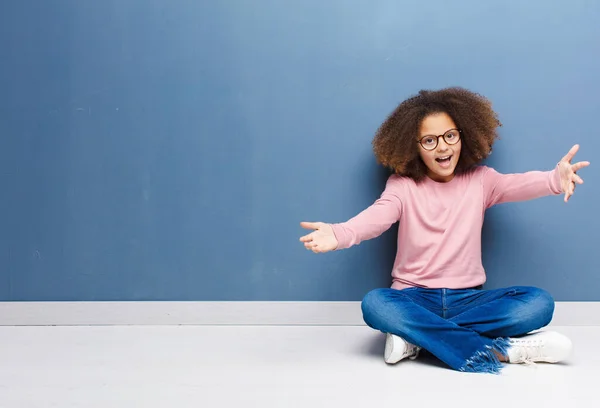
<point x="445" y="159"/>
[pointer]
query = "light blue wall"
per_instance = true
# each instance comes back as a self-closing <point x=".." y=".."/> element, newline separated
<point x="167" y="150"/>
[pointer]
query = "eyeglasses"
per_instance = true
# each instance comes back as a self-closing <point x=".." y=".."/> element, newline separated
<point x="430" y="142"/>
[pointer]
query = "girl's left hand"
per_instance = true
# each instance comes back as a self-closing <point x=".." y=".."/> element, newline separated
<point x="567" y="171"/>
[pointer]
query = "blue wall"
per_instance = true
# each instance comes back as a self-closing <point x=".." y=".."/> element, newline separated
<point x="169" y="149"/>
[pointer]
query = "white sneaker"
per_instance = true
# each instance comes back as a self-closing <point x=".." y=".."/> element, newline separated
<point x="546" y="347"/>
<point x="396" y="349"/>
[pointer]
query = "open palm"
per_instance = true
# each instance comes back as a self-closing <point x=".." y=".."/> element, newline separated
<point x="568" y="172"/>
<point x="322" y="239"/>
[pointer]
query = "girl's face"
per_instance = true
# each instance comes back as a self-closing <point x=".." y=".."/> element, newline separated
<point x="439" y="153"/>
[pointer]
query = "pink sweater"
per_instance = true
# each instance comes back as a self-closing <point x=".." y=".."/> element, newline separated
<point x="439" y="234"/>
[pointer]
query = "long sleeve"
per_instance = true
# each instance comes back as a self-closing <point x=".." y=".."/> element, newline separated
<point x="502" y="188"/>
<point x="374" y="220"/>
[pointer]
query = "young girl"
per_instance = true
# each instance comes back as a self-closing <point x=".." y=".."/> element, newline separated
<point x="434" y="142"/>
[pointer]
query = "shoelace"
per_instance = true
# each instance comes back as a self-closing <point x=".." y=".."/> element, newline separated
<point x="528" y="350"/>
<point x="412" y="352"/>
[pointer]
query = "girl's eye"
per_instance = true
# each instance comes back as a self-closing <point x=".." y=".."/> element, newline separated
<point x="429" y="140"/>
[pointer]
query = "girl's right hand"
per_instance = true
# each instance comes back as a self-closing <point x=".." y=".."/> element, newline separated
<point x="322" y="239"/>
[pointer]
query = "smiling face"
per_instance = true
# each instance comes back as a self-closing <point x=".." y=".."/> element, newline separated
<point x="442" y="159"/>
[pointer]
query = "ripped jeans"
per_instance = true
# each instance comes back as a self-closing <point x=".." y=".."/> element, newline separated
<point x="461" y="327"/>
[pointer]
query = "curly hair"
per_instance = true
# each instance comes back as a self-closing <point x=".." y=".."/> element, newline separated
<point x="395" y="143"/>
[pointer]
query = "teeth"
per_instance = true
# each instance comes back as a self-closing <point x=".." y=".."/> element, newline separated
<point x="443" y="158"/>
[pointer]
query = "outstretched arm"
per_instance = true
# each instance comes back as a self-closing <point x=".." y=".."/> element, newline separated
<point x="501" y="188"/>
<point x="568" y="172"/>
<point x="368" y="224"/>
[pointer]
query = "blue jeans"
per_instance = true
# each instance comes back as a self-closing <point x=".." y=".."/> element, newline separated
<point x="461" y="327"/>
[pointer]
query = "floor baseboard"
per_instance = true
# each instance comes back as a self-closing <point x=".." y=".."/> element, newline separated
<point x="226" y="313"/>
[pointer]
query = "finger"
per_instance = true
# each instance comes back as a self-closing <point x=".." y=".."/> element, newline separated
<point x="580" y="165"/>
<point x="567" y="192"/>
<point x="570" y="192"/>
<point x="310" y="225"/>
<point x="569" y="156"/>
<point x="577" y="179"/>
<point x="307" y="238"/>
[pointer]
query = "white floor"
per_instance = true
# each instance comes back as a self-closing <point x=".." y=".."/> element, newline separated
<point x="225" y="366"/>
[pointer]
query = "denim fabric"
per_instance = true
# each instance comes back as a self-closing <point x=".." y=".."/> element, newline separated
<point x="461" y="327"/>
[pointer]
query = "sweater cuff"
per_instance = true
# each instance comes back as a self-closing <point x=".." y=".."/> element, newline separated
<point x="341" y="236"/>
<point x="555" y="184"/>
